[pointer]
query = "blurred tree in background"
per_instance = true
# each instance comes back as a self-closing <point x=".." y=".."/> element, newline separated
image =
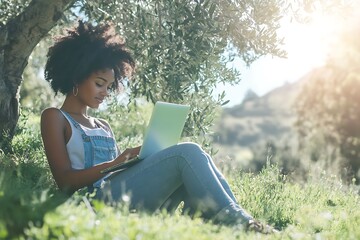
<point x="329" y="105"/>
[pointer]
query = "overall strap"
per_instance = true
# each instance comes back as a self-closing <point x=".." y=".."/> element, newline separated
<point x="73" y="121"/>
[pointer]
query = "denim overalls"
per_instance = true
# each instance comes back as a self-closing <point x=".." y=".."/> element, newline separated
<point x="97" y="149"/>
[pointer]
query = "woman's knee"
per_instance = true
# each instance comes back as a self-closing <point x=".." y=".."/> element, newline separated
<point x="190" y="147"/>
<point x="192" y="152"/>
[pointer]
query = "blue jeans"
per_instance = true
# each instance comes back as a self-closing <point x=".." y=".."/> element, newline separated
<point x="183" y="172"/>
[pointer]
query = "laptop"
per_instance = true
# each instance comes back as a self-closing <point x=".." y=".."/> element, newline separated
<point x="164" y="130"/>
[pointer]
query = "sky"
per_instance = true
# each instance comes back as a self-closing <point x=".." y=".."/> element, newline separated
<point x="307" y="46"/>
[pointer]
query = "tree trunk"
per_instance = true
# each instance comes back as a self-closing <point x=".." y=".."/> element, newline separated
<point x="17" y="40"/>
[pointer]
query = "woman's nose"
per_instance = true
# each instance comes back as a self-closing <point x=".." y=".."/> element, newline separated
<point x="105" y="92"/>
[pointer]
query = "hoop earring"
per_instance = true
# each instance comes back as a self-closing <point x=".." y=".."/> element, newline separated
<point x="75" y="92"/>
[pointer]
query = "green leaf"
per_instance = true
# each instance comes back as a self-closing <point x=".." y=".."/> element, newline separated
<point x="212" y="10"/>
<point x="224" y="103"/>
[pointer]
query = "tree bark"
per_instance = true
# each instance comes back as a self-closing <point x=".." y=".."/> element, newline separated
<point x="17" y="40"/>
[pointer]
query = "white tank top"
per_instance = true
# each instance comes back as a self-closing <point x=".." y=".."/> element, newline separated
<point x="75" y="145"/>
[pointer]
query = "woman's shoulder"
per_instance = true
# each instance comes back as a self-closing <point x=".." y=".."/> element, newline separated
<point x="51" y="110"/>
<point x="52" y="114"/>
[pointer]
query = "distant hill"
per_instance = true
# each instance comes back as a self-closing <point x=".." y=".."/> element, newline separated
<point x="257" y="121"/>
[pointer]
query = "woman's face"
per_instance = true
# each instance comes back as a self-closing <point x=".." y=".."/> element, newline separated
<point x="95" y="88"/>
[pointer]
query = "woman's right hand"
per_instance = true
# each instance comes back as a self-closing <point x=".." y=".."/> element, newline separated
<point x="128" y="154"/>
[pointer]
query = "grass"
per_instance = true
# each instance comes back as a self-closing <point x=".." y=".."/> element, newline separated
<point x="31" y="208"/>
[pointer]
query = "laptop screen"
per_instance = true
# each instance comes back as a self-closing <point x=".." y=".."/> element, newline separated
<point x="165" y="127"/>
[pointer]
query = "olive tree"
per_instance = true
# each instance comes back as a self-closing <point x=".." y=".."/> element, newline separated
<point x="182" y="47"/>
<point x="23" y="25"/>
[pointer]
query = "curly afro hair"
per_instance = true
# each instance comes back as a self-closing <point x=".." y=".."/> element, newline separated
<point x="84" y="50"/>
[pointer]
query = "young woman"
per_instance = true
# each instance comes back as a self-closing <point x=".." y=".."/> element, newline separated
<point x="84" y="65"/>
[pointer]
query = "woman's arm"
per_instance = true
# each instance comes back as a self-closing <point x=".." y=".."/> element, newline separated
<point x="53" y="129"/>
